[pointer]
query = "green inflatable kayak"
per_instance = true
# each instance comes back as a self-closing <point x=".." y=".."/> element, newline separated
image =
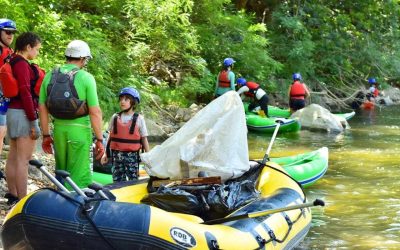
<point x="285" y="113"/>
<point x="305" y="168"/>
<point x="263" y="124"/>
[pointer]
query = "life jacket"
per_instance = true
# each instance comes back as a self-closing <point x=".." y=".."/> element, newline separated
<point x="376" y="92"/>
<point x="223" y="79"/>
<point x="297" y="90"/>
<point x="5" y="54"/>
<point x="125" y="136"/>
<point x="62" y="98"/>
<point x="10" y="85"/>
<point x="253" y="89"/>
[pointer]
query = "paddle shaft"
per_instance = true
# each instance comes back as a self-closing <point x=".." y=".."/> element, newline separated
<point x="317" y="202"/>
<point x="266" y="156"/>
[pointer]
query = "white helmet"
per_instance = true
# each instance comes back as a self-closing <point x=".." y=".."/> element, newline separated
<point x="78" y="49"/>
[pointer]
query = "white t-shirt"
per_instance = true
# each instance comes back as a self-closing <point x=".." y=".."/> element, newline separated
<point x="126" y="118"/>
<point x="259" y="93"/>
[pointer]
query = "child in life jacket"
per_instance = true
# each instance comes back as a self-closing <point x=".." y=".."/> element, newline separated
<point x="252" y="90"/>
<point x="128" y="135"/>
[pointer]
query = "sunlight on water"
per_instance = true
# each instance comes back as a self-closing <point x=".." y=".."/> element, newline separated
<point x="361" y="187"/>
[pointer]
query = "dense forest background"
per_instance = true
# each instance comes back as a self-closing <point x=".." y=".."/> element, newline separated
<point x="172" y="50"/>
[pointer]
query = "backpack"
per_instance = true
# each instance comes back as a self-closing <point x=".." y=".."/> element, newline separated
<point x="10" y="85"/>
<point x="62" y="98"/>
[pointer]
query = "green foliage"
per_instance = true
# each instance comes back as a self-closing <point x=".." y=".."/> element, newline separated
<point x="182" y="43"/>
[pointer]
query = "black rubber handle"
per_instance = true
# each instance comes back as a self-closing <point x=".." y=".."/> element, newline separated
<point x="62" y="173"/>
<point x="96" y="187"/>
<point x="319" y="202"/>
<point x="35" y="163"/>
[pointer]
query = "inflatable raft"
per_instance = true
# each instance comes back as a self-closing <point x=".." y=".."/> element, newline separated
<point x="50" y="219"/>
<point x="285" y="113"/>
<point x="305" y="168"/>
<point x="258" y="123"/>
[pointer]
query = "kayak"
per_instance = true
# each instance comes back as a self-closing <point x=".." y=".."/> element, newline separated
<point x="305" y="168"/>
<point x="51" y="219"/>
<point x="274" y="111"/>
<point x="258" y="123"/>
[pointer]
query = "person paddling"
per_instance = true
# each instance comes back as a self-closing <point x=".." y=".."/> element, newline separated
<point x="297" y="93"/>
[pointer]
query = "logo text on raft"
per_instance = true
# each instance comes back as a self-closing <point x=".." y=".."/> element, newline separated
<point x="182" y="237"/>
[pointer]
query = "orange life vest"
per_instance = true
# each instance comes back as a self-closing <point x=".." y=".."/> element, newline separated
<point x="297" y="90"/>
<point x="125" y="136"/>
<point x="253" y="89"/>
<point x="223" y="79"/>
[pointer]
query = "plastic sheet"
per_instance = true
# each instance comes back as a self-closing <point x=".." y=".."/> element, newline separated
<point x="213" y="141"/>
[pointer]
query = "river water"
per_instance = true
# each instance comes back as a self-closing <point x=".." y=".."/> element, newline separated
<point x="362" y="184"/>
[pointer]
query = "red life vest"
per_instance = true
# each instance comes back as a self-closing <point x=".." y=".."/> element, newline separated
<point x="297" y="90"/>
<point x="253" y="89"/>
<point x="6" y="53"/>
<point x="223" y="79"/>
<point x="376" y="92"/>
<point x="125" y="136"/>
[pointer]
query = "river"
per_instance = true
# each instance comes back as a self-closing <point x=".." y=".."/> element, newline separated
<point x="361" y="186"/>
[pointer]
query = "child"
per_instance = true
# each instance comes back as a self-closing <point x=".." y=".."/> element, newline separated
<point x="128" y="134"/>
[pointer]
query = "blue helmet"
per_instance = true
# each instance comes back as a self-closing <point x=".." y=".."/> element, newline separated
<point x="241" y="81"/>
<point x="296" y="76"/>
<point x="130" y="91"/>
<point x="228" y="62"/>
<point x="7" y="24"/>
<point x="372" y="80"/>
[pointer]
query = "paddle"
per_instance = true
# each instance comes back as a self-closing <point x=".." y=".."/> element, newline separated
<point x="40" y="166"/>
<point x="266" y="156"/>
<point x="317" y="202"/>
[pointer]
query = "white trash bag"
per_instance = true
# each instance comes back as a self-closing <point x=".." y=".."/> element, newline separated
<point x="213" y="141"/>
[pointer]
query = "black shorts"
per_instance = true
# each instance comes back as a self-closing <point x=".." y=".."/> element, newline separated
<point x="296" y="104"/>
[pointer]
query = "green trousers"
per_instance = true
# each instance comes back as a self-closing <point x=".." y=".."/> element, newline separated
<point x="72" y="148"/>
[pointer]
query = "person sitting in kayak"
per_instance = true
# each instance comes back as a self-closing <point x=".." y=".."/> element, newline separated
<point x="298" y="91"/>
<point x="128" y="135"/>
<point x="258" y="95"/>
<point x="373" y="91"/>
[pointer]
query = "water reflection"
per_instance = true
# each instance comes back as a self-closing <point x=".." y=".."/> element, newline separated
<point x="361" y="186"/>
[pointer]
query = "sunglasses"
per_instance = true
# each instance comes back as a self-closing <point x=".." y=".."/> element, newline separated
<point x="10" y="32"/>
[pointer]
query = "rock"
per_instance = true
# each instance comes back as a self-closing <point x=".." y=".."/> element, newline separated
<point x="155" y="131"/>
<point x="316" y="117"/>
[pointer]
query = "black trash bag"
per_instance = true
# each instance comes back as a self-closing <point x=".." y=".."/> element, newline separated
<point x="174" y="200"/>
<point x="228" y="198"/>
<point x="234" y="194"/>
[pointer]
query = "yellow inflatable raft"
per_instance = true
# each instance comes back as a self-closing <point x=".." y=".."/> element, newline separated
<point x="49" y="219"/>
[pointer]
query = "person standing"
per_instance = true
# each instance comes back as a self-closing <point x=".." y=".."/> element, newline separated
<point x="22" y="118"/>
<point x="258" y="95"/>
<point x="297" y="93"/>
<point x="226" y="78"/>
<point x="8" y="28"/>
<point x="373" y="91"/>
<point x="128" y="135"/>
<point x="75" y="112"/>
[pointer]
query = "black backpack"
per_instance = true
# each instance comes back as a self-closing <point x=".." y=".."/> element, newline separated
<point x="62" y="99"/>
